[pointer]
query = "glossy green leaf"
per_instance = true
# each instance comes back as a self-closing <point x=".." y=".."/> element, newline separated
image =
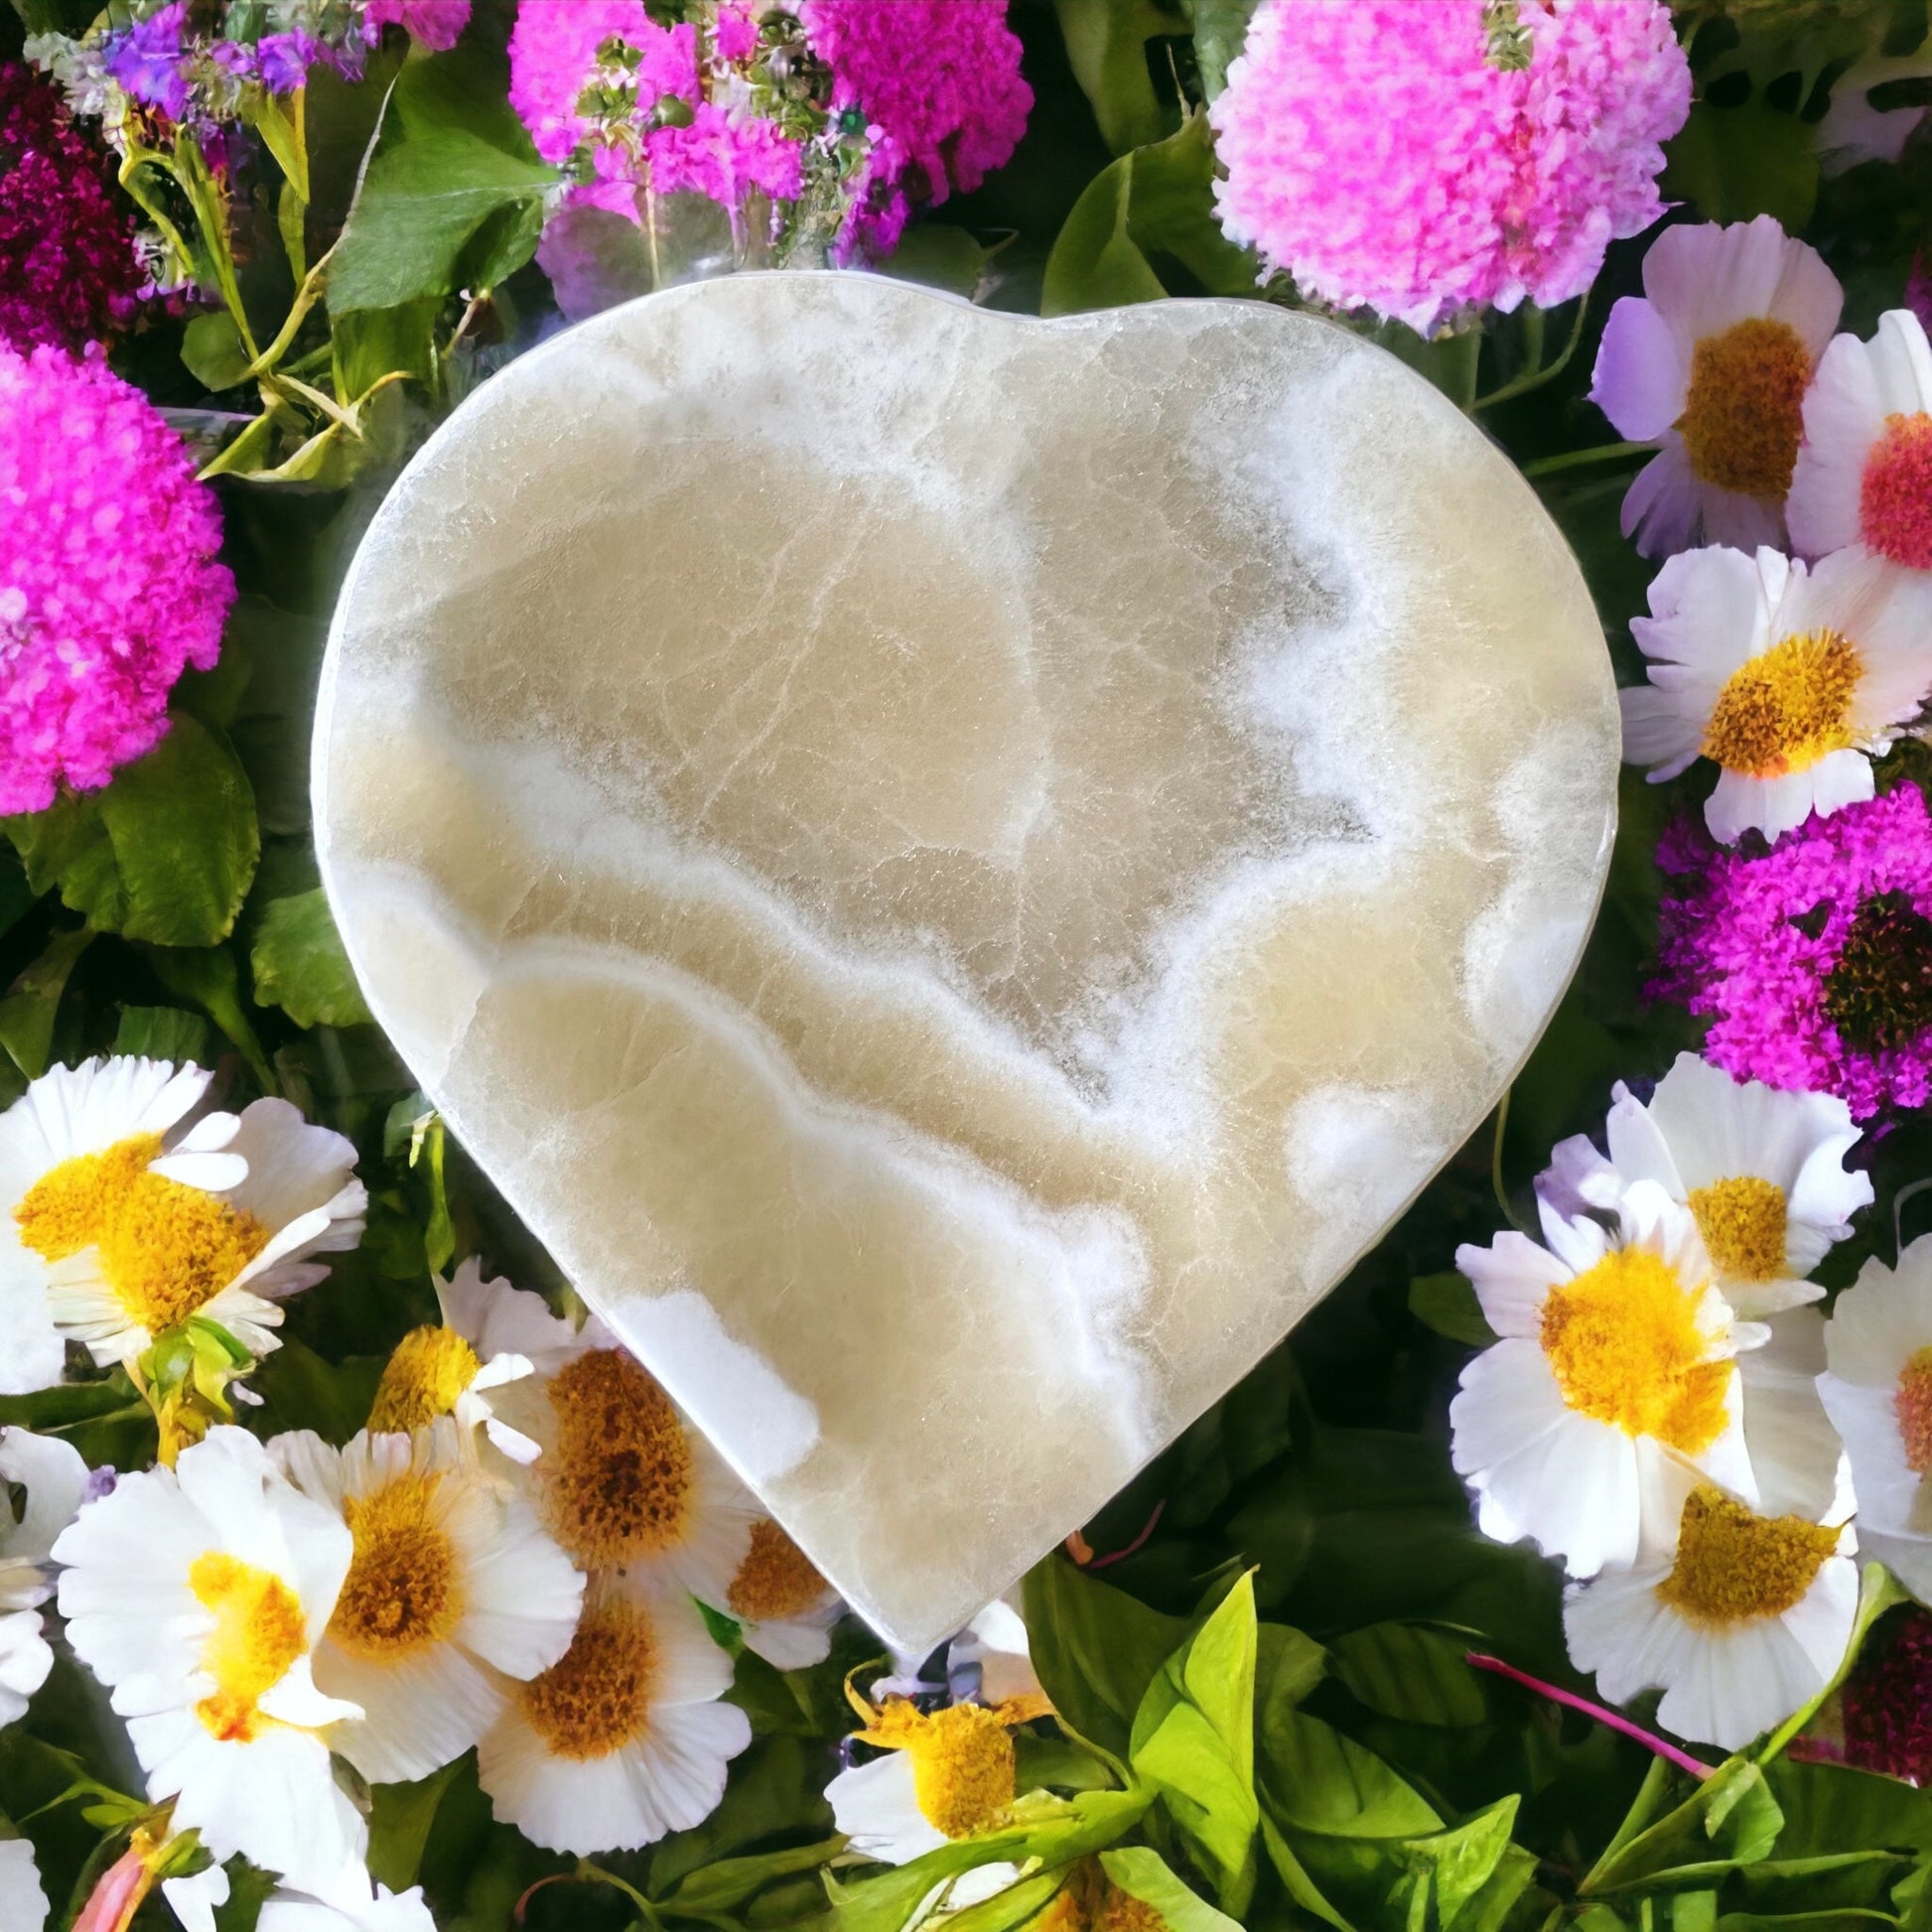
<point x="1107" y="48"/>
<point x="1410" y="1672"/>
<point x="1143" y="1874"/>
<point x="1220" y="29"/>
<point x="1729" y="1819"/>
<point x="1149" y="207"/>
<point x="1447" y="1304"/>
<point x="31" y="1004"/>
<point x="454" y="197"/>
<point x="164" y="1033"/>
<point x="1315" y="1780"/>
<point x="1096" y="1648"/>
<point x="400" y="1817"/>
<point x="164" y="852"/>
<point x="300" y="965"/>
<point x="213" y="351"/>
<point x="1738" y="162"/>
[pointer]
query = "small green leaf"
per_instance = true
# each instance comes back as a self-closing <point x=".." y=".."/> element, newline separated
<point x="1447" y="1304"/>
<point x="1318" y="1780"/>
<point x="1107" y="48"/>
<point x="400" y="1817"/>
<point x="164" y="852"/>
<point x="162" y="1033"/>
<point x="1732" y="1819"/>
<point x="300" y="965"/>
<point x="209" y="977"/>
<point x="212" y="348"/>
<point x="32" y="1003"/>
<point x="1220" y="29"/>
<point x="726" y="1883"/>
<point x="1150" y="205"/>
<point x="1410" y="1672"/>
<point x="454" y="197"/>
<point x="1740" y="162"/>
<point x="1141" y="1873"/>
<point x="1096" y="1649"/>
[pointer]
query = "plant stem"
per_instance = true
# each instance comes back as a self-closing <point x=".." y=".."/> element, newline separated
<point x="1549" y="466"/>
<point x="1684" y="1761"/>
<point x="1535" y="376"/>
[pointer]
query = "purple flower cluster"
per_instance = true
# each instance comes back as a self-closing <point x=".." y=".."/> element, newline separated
<point x="67" y="269"/>
<point x="109" y="588"/>
<point x="1813" y="956"/>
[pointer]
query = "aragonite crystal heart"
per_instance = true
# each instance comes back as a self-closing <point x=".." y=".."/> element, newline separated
<point x="957" y="869"/>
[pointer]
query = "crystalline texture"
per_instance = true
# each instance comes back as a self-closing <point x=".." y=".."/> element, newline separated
<point x="957" y="869"/>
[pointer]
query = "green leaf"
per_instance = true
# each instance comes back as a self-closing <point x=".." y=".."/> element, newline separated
<point x="301" y="1390"/>
<point x="33" y="1002"/>
<point x="1732" y="1819"/>
<point x="1220" y="29"/>
<point x="1106" y="46"/>
<point x="1154" y="205"/>
<point x="1141" y="1873"/>
<point x="209" y="977"/>
<point x="1832" y="1808"/>
<point x="1095" y="1648"/>
<point x="728" y="1882"/>
<point x="300" y="965"/>
<point x="454" y="198"/>
<point x="1410" y="1672"/>
<point x="1315" y="1780"/>
<point x="162" y="1033"/>
<point x="1447" y="1304"/>
<point x="164" y="852"/>
<point x="941" y="257"/>
<point x="212" y="349"/>
<point x="1738" y="162"/>
<point x="1193" y="1739"/>
<point x="400" y="1817"/>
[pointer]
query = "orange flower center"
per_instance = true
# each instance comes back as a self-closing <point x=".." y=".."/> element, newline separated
<point x="596" y="1698"/>
<point x="1913" y="1407"/>
<point x="1735" y="1565"/>
<point x="775" y="1580"/>
<point x="1742" y="1221"/>
<point x="1786" y="709"/>
<point x="620" y="1473"/>
<point x="1742" y="419"/>
<point x="258" y="1634"/>
<point x="1895" y="494"/>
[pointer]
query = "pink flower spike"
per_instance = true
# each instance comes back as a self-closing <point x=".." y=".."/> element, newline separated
<point x="120" y="1891"/>
<point x="1662" y="1748"/>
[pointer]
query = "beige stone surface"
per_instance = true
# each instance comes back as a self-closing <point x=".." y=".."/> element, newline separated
<point x="957" y="869"/>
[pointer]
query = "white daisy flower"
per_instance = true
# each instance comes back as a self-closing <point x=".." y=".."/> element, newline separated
<point x="352" y="1902"/>
<point x="1763" y="1171"/>
<point x="55" y="1481"/>
<point x="167" y="1252"/>
<point x="995" y="1641"/>
<point x="948" y="1774"/>
<point x="1864" y="471"/>
<point x="623" y="1739"/>
<point x="452" y="1582"/>
<point x="23" y="1903"/>
<point x="197" y="1595"/>
<point x="784" y="1608"/>
<point x="1614" y="1385"/>
<point x="1744" y="1621"/>
<point x="1877" y="1390"/>
<point x="1790" y="681"/>
<point x="1711" y="364"/>
<point x="624" y="1478"/>
<point x="101" y="1183"/>
<point x="491" y="1333"/>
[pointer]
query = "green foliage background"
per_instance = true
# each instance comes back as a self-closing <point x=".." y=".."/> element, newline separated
<point x="1268" y="1711"/>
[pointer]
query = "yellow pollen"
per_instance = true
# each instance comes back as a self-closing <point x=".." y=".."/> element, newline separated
<point x="964" y="1774"/>
<point x="425" y="1373"/>
<point x="1744" y="416"/>
<point x="1733" y="1566"/>
<point x="775" y="1580"/>
<point x="1741" y="1221"/>
<point x="619" y="1475"/>
<point x="401" y="1593"/>
<point x="1913" y="1407"/>
<point x="1623" y="1342"/>
<point x="1121" y="1911"/>
<point x="165" y="1249"/>
<point x="596" y="1698"/>
<point x="1786" y="709"/>
<point x="258" y="1634"/>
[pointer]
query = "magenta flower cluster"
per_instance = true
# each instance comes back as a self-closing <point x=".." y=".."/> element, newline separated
<point x="109" y="586"/>
<point x="437" y="24"/>
<point x="939" y="86"/>
<point x="68" y="270"/>
<point x="1419" y="157"/>
<point x="1813" y="956"/>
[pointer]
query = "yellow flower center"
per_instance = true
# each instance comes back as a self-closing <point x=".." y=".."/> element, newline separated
<point x="1913" y="1407"/>
<point x="165" y="1249"/>
<point x="425" y="1373"/>
<point x="1789" y="707"/>
<point x="775" y="1580"/>
<point x="964" y="1774"/>
<point x="1741" y="1221"/>
<point x="619" y="1475"/>
<point x="1735" y="1565"/>
<point x="596" y="1698"/>
<point x="401" y="1593"/>
<point x="1623" y="1342"/>
<point x="1743" y="417"/>
<point x="258" y="1634"/>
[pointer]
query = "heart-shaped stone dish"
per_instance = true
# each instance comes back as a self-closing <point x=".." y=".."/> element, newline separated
<point x="958" y="869"/>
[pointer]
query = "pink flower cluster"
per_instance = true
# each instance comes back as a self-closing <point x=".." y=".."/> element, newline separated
<point x="1387" y="154"/>
<point x="67" y="272"/>
<point x="938" y="83"/>
<point x="109" y="586"/>
<point x="1814" y="957"/>
<point x="437" y="24"/>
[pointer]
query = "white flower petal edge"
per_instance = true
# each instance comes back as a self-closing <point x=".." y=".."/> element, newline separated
<point x="351" y="1903"/>
<point x="56" y="1480"/>
<point x="996" y="1641"/>
<point x="265" y="1790"/>
<point x="23" y="1904"/>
